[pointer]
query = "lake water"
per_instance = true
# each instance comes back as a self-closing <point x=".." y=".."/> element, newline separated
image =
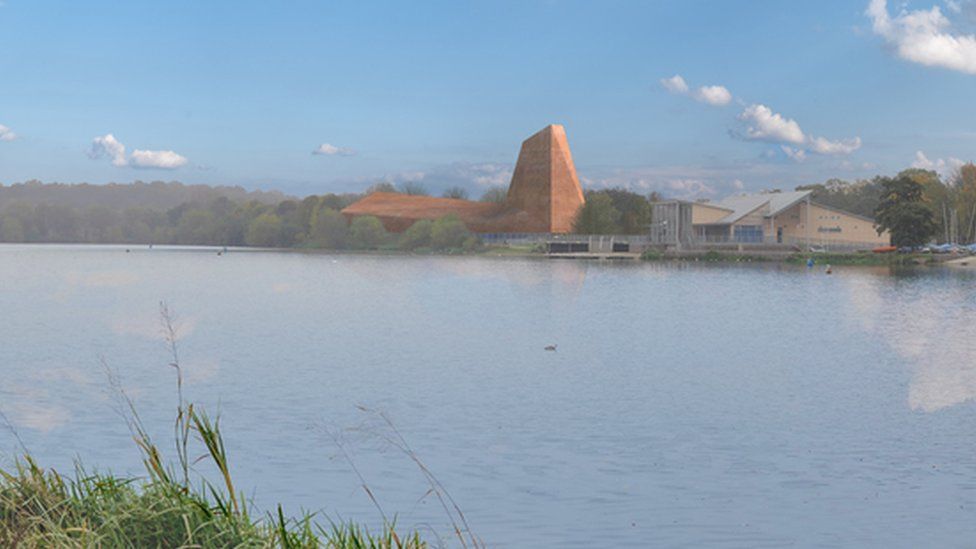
<point x="737" y="406"/>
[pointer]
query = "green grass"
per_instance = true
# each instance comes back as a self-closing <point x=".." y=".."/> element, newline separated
<point x="711" y="256"/>
<point x="42" y="508"/>
<point x="861" y="258"/>
<point x="174" y="505"/>
<point x="857" y="258"/>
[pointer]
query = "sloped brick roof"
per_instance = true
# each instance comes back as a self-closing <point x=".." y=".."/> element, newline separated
<point x="543" y="197"/>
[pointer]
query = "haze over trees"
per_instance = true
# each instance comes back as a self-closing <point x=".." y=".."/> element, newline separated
<point x="173" y="213"/>
<point x="157" y="195"/>
<point x="215" y="216"/>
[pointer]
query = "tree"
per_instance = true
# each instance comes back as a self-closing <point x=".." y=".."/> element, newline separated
<point x="459" y="193"/>
<point x="964" y="190"/>
<point x="329" y="229"/>
<point x="903" y="213"/>
<point x="495" y="194"/>
<point x="635" y="210"/>
<point x="417" y="236"/>
<point x="448" y="233"/>
<point x="264" y="231"/>
<point x="597" y="215"/>
<point x="381" y="187"/>
<point x="415" y="188"/>
<point x="366" y="232"/>
<point x="196" y="227"/>
<point x="936" y="195"/>
<point x="12" y="230"/>
<point x="98" y="222"/>
<point x="860" y="197"/>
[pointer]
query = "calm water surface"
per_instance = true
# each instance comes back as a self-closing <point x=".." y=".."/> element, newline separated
<point x="737" y="406"/>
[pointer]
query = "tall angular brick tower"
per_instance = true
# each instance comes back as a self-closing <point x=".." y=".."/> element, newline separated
<point x="544" y="184"/>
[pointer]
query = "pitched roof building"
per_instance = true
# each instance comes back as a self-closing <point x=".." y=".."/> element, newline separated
<point x="780" y="218"/>
<point x="543" y="197"/>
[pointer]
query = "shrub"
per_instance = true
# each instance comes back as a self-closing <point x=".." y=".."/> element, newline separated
<point x="448" y="232"/>
<point x="329" y="229"/>
<point x="472" y="243"/>
<point x="652" y="255"/>
<point x="367" y="233"/>
<point x="417" y="236"/>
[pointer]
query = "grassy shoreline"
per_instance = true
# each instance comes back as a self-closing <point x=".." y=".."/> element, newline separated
<point x="529" y="251"/>
<point x="797" y="258"/>
<point x="174" y="505"/>
<point x="189" y="501"/>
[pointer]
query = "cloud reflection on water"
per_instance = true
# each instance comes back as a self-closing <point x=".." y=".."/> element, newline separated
<point x="150" y="326"/>
<point x="930" y="327"/>
<point x="27" y="406"/>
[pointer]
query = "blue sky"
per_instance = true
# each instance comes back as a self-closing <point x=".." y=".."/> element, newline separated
<point x="444" y="92"/>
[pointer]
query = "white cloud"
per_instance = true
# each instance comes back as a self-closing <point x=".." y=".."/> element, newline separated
<point x="682" y="182"/>
<point x="475" y="177"/>
<point x="110" y="147"/>
<point x="326" y="149"/>
<point x="717" y="96"/>
<point x="107" y="146"/>
<point x="762" y="124"/>
<point x="676" y="84"/>
<point x="164" y="160"/>
<point x="821" y="145"/>
<point x="924" y="37"/>
<point x="689" y="188"/>
<point x="943" y="166"/>
<point x="6" y="134"/>
<point x="799" y="155"/>
<point x="714" y="95"/>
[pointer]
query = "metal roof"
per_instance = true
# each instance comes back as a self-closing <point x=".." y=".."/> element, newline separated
<point x="742" y="205"/>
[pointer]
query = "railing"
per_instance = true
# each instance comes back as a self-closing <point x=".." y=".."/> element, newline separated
<point x="827" y="244"/>
<point x="514" y="238"/>
<point x="527" y="238"/>
<point x="642" y="241"/>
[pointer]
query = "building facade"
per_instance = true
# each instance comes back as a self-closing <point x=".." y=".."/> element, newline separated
<point x="543" y="197"/>
<point x="790" y="218"/>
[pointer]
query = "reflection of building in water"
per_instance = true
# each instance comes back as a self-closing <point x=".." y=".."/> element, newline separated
<point x="931" y="329"/>
<point x="565" y="279"/>
<point x="568" y="278"/>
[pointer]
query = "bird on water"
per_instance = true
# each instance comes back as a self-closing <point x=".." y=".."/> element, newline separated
<point x="550" y="347"/>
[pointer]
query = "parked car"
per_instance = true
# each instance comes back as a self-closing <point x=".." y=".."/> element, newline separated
<point x="948" y="249"/>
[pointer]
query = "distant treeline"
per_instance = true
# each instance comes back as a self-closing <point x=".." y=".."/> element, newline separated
<point x="157" y="195"/>
<point x="219" y="216"/>
<point x="172" y="213"/>
<point x="952" y="200"/>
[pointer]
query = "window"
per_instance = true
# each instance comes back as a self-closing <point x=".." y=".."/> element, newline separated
<point x="747" y="233"/>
